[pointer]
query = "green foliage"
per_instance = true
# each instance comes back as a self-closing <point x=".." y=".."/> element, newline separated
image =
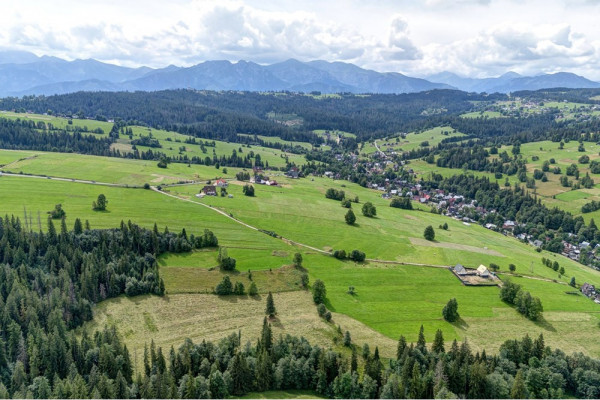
<point x="529" y="306"/>
<point x="429" y="233"/>
<point x="350" y="217"/>
<point x="319" y="292"/>
<point x="401" y="202"/>
<point x="58" y="212"/>
<point x="450" y="311"/>
<point x="369" y="210"/>
<point x="100" y="203"/>
<point x="334" y="194"/>
<point x="270" y="308"/>
<point x="297" y="260"/>
<point x="357" y="255"/>
<point x="225" y="262"/>
<point x="253" y="289"/>
<point x="225" y="287"/>
<point x="339" y="254"/>
<point x="248" y="190"/>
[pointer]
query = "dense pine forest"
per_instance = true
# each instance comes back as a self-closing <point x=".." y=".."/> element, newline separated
<point x="49" y="283"/>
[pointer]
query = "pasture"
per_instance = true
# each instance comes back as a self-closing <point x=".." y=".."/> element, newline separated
<point x="390" y="299"/>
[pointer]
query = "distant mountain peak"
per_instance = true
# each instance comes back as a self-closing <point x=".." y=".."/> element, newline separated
<point x="26" y="73"/>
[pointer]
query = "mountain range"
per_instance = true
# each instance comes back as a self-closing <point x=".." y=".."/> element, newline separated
<point x="23" y="73"/>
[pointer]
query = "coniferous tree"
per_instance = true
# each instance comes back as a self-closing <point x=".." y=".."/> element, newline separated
<point x="270" y="309"/>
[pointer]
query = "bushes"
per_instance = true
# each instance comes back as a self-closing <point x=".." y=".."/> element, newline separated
<point x="354" y="255"/>
<point x="401" y="202"/>
<point x="350" y="217"/>
<point x="340" y="254"/>
<point x="334" y="194"/>
<point x="429" y="233"/>
<point x="242" y="176"/>
<point x="224" y="288"/>
<point x="357" y="255"/>
<point x="369" y="210"/>
<point x="529" y="306"/>
<point x="225" y="262"/>
<point x="248" y="190"/>
<point x="450" y="311"/>
<point x="319" y="292"/>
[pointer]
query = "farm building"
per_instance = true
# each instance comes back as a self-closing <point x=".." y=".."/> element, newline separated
<point x="221" y="183"/>
<point x="483" y="271"/>
<point x="209" y="190"/>
<point x="460" y="269"/>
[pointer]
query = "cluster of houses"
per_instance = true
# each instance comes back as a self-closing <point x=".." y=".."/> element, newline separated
<point x="590" y="292"/>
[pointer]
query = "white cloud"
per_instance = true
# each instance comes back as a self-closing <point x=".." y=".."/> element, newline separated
<point x="471" y="37"/>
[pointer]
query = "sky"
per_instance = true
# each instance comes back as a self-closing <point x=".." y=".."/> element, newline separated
<point x="476" y="38"/>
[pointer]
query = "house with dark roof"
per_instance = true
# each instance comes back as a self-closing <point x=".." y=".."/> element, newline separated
<point x="460" y="269"/>
<point x="209" y="190"/>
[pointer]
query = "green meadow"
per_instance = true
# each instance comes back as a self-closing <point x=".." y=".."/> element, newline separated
<point x="390" y="299"/>
<point x="412" y="140"/>
<point x="59" y="122"/>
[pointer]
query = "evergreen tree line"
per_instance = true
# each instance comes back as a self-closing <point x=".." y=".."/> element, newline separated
<point x="48" y="285"/>
<point x="523" y="368"/>
<point x="222" y="115"/>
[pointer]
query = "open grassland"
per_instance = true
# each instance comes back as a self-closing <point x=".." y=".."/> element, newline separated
<point x="412" y="140"/>
<point x="106" y="169"/>
<point x="252" y="249"/>
<point x="390" y="299"/>
<point x="169" y="320"/>
<point x="552" y="192"/>
<point x="9" y="157"/>
<point x="274" y="139"/>
<point x="299" y="211"/>
<point x="173" y="144"/>
<point x="61" y="123"/>
<point x="282" y="394"/>
<point x="482" y="114"/>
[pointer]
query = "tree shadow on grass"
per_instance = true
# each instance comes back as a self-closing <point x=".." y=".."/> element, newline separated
<point x="275" y="322"/>
<point x="460" y="324"/>
<point x="544" y="324"/>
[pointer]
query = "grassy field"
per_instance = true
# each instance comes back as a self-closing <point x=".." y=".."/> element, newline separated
<point x="106" y="169"/>
<point x="172" y="318"/>
<point x="59" y="122"/>
<point x="271" y="139"/>
<point x="412" y="140"/>
<point x="484" y="114"/>
<point x="300" y="211"/>
<point x="282" y="394"/>
<point x="172" y="142"/>
<point x="390" y="299"/>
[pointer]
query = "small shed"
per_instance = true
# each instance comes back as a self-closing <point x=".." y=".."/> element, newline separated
<point x="483" y="271"/>
<point x="460" y="269"/>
